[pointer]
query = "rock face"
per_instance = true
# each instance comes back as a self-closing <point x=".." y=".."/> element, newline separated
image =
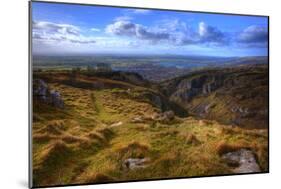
<point x="161" y="102"/>
<point x="205" y="84"/>
<point x="55" y="99"/>
<point x="42" y="92"/>
<point x="165" y="116"/>
<point x="135" y="163"/>
<point x="242" y="161"/>
<point x="236" y="95"/>
<point x="40" y="89"/>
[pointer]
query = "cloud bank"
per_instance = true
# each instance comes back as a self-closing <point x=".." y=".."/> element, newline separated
<point x="176" y="34"/>
<point x="255" y="36"/>
<point x="53" y="32"/>
<point x="123" y="34"/>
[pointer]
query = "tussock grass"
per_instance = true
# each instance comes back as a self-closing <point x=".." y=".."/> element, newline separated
<point x="55" y="152"/>
<point x="192" y="139"/>
<point x="223" y="147"/>
<point x="97" y="136"/>
<point x="261" y="151"/>
<point x="106" y="132"/>
<point x="230" y="130"/>
<point x="77" y="145"/>
<point x="133" y="150"/>
<point x="41" y="138"/>
<point x="142" y="128"/>
<point x="256" y="133"/>
<point x="164" y="164"/>
<point x="97" y="178"/>
<point x="170" y="132"/>
<point x="52" y="158"/>
<point x="54" y="127"/>
<point x="72" y="139"/>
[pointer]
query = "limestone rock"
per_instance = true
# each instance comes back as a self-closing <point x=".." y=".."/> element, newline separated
<point x="242" y="161"/>
<point x="135" y="163"/>
<point x="42" y="92"/>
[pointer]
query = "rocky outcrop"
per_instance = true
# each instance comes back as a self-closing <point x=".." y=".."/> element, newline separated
<point x="166" y="116"/>
<point x="189" y="88"/>
<point x="135" y="163"/>
<point x="40" y="89"/>
<point x="242" y="161"/>
<point x="236" y="96"/>
<point x="55" y="99"/>
<point x="161" y="102"/>
<point x="42" y="92"/>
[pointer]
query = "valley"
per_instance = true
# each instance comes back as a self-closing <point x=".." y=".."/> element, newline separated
<point x="106" y="126"/>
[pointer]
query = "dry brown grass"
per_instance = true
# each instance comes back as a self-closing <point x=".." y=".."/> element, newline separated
<point x="72" y="139"/>
<point x="96" y="136"/>
<point x="54" y="152"/>
<point x="54" y="127"/>
<point x="166" y="163"/>
<point x="256" y="133"/>
<point x="38" y="137"/>
<point x="97" y="178"/>
<point x="262" y="155"/>
<point x="106" y="132"/>
<point x="230" y="130"/>
<point x="192" y="139"/>
<point x="170" y="132"/>
<point x="141" y="127"/>
<point x="133" y="150"/>
<point x="79" y="148"/>
<point x="223" y="147"/>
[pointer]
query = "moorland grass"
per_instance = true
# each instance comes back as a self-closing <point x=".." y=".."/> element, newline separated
<point x="77" y="145"/>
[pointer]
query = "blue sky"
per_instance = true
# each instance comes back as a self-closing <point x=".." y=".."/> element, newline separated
<point x="79" y="29"/>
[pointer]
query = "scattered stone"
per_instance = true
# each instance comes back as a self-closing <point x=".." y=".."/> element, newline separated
<point x="170" y="115"/>
<point x="164" y="117"/>
<point x="40" y="89"/>
<point x="116" y="124"/>
<point x="135" y="163"/>
<point x="55" y="99"/>
<point x="42" y="92"/>
<point x="137" y="120"/>
<point x="242" y="161"/>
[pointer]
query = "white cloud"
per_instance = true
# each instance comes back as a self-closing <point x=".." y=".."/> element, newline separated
<point x="210" y="34"/>
<point x="48" y="32"/>
<point x="95" y="29"/>
<point x="254" y="34"/>
<point x="141" y="11"/>
<point x="123" y="18"/>
<point x="129" y="29"/>
<point x="173" y="32"/>
<point x="53" y="28"/>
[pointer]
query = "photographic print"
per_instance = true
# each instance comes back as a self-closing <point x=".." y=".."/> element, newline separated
<point x="122" y="94"/>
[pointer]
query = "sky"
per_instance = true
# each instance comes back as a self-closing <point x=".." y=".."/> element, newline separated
<point x="63" y="29"/>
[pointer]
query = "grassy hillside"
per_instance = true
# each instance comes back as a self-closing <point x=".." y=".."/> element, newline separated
<point x="105" y="121"/>
<point x="237" y="96"/>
